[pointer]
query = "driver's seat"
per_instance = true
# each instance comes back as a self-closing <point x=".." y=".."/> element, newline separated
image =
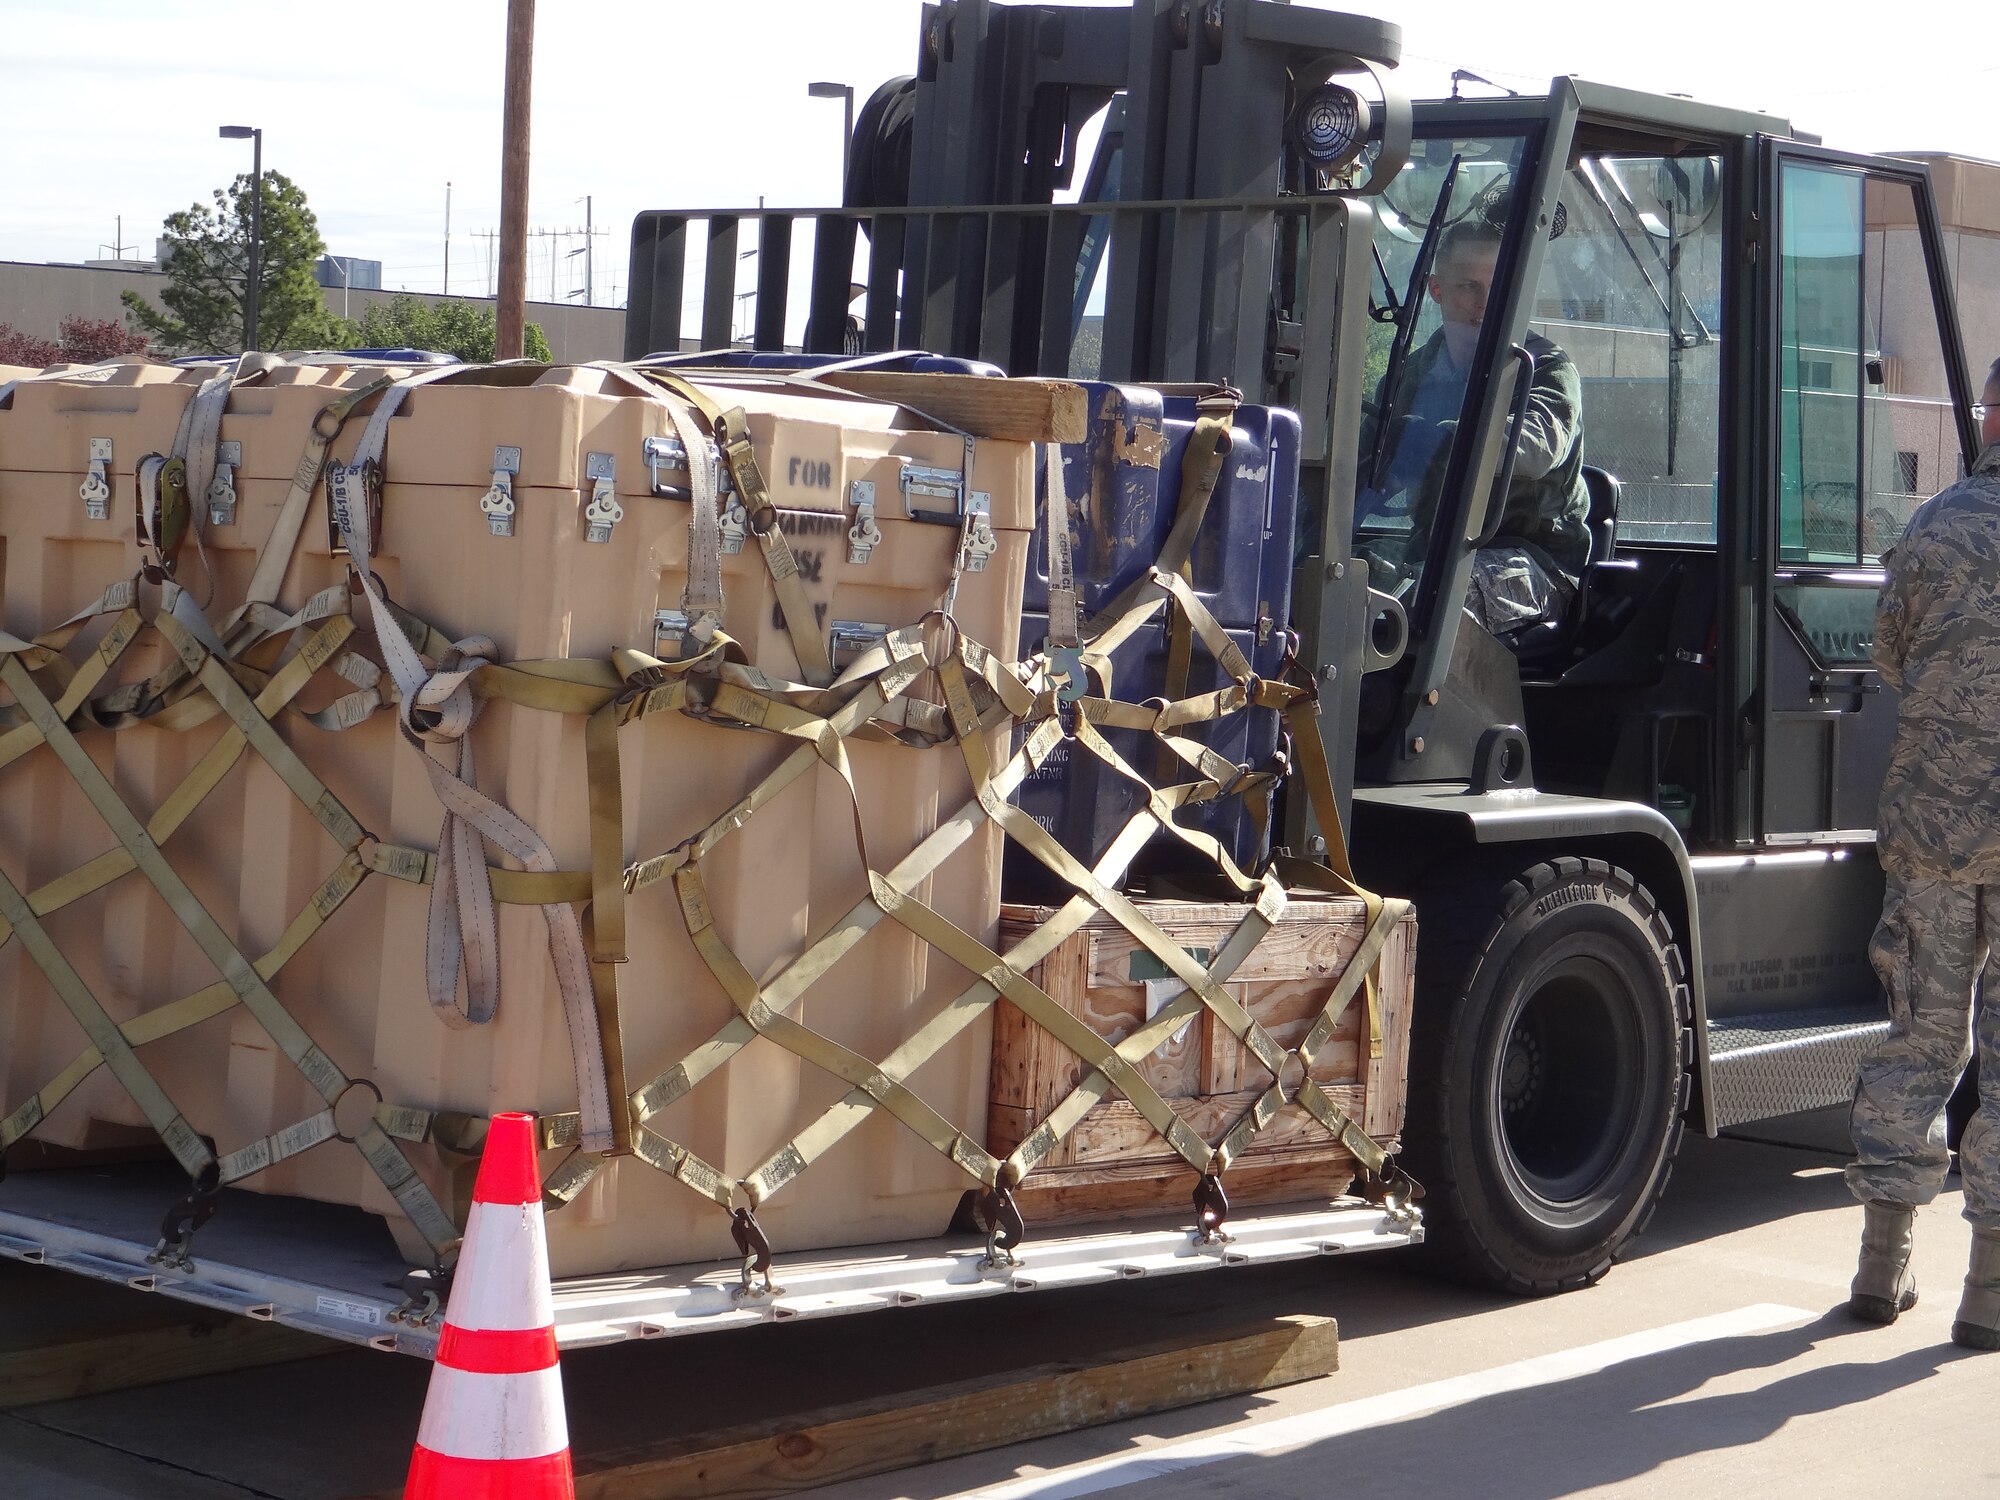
<point x="1551" y="639"/>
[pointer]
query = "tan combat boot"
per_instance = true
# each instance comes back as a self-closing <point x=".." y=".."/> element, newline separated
<point x="1883" y="1286"/>
<point x="1978" y="1322"/>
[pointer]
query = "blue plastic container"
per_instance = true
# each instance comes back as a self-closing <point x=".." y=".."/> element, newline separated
<point x="1241" y="569"/>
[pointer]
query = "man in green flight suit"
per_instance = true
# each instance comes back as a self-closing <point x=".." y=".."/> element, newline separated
<point x="1529" y="572"/>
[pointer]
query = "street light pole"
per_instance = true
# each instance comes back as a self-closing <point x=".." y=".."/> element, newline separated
<point x="255" y="135"/>
<point x="845" y="93"/>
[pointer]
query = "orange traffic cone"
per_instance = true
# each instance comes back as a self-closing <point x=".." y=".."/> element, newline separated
<point x="493" y="1425"/>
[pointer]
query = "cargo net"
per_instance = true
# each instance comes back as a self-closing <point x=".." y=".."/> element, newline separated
<point x="249" y="670"/>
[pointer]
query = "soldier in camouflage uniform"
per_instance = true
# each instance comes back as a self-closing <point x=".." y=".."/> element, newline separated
<point x="1937" y="641"/>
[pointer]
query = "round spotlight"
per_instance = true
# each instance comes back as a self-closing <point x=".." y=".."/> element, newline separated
<point x="1330" y="127"/>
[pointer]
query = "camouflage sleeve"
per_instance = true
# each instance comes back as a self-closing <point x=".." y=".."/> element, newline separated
<point x="1895" y="610"/>
<point x="1549" y="428"/>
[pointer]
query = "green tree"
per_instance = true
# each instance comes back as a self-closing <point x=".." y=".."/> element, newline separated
<point x="466" y="329"/>
<point x="208" y="265"/>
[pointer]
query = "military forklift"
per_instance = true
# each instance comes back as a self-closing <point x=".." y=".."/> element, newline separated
<point x="1639" y="836"/>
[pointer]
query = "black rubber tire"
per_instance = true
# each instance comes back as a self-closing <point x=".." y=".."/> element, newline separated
<point x="1548" y="1072"/>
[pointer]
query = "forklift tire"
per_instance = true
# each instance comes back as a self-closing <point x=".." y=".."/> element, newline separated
<point x="1548" y="1072"/>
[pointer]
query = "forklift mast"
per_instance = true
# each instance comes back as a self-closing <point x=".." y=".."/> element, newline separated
<point x="1224" y="236"/>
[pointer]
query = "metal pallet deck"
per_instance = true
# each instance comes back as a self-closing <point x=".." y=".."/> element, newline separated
<point x="336" y="1272"/>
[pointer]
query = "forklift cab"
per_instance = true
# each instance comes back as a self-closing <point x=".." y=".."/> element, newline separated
<point x="1772" y="381"/>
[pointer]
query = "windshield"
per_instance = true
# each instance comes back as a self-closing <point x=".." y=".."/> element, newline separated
<point x="1440" y="231"/>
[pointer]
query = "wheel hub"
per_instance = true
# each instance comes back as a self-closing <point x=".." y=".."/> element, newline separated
<point x="1520" y="1071"/>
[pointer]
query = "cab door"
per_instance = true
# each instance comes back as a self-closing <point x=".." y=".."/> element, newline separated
<point x="1865" y="417"/>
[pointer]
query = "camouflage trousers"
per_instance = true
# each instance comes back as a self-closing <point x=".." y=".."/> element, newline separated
<point x="1514" y="585"/>
<point x="1936" y="940"/>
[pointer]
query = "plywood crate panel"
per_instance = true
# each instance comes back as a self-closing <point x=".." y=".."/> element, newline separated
<point x="1114" y="1162"/>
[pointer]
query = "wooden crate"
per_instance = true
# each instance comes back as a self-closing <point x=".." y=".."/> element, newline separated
<point x="1114" y="1162"/>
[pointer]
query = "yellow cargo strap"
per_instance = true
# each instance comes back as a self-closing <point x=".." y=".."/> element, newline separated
<point x="439" y="707"/>
<point x="732" y="435"/>
<point x="245" y="983"/>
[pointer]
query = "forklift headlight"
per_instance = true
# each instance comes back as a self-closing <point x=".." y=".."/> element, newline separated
<point x="1329" y="127"/>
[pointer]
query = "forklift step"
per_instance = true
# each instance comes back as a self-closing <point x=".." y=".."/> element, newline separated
<point x="1784" y="1062"/>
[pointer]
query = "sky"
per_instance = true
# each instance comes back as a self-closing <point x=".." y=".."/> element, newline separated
<point x="374" y="106"/>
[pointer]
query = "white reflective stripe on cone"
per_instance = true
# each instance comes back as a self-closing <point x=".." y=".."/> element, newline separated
<point x="504" y="1270"/>
<point x="494" y="1416"/>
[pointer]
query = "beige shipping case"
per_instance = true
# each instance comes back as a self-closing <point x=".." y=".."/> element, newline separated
<point x="488" y="475"/>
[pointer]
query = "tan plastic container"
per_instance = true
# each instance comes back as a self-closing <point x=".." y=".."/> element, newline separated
<point x="255" y="857"/>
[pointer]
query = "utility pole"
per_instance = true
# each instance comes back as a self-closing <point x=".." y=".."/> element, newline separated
<point x="511" y="314"/>
<point x="447" y="237"/>
<point x="587" y="255"/>
<point x="255" y="135"/>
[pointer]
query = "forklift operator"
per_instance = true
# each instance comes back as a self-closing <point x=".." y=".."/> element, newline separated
<point x="1529" y="572"/>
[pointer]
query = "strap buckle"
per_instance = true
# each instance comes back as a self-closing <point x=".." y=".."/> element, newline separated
<point x="222" y="489"/>
<point x="1211" y="1210"/>
<point x="178" y="1227"/>
<point x="1001" y="1218"/>
<point x="755" y="1247"/>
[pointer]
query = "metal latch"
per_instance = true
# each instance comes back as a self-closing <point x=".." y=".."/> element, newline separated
<point x="849" y="639"/>
<point x="864" y="536"/>
<point x="222" y="488"/>
<point x="498" y="502"/>
<point x="924" y="488"/>
<point x="670" y="628"/>
<point x="980" y="542"/>
<point x="603" y="512"/>
<point x="668" y="455"/>
<point x="665" y="455"/>
<point x="95" y="491"/>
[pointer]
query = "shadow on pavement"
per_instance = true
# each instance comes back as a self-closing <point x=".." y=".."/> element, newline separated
<point x="1594" y="1430"/>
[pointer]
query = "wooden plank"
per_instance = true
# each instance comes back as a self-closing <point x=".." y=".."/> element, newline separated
<point x="53" y="1366"/>
<point x="1389" y="1074"/>
<point x="879" y="1436"/>
<point x="1116" y="1133"/>
<point x="1312" y="1179"/>
<point x="1027" y="410"/>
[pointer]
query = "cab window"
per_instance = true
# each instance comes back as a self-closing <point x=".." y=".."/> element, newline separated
<point x="1631" y="287"/>
<point x="1865" y="423"/>
<point x="1440" y="228"/>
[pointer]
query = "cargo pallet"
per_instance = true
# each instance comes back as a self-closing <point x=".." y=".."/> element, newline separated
<point x="335" y="1271"/>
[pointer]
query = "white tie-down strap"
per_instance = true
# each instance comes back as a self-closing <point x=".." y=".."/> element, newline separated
<point x="439" y="708"/>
